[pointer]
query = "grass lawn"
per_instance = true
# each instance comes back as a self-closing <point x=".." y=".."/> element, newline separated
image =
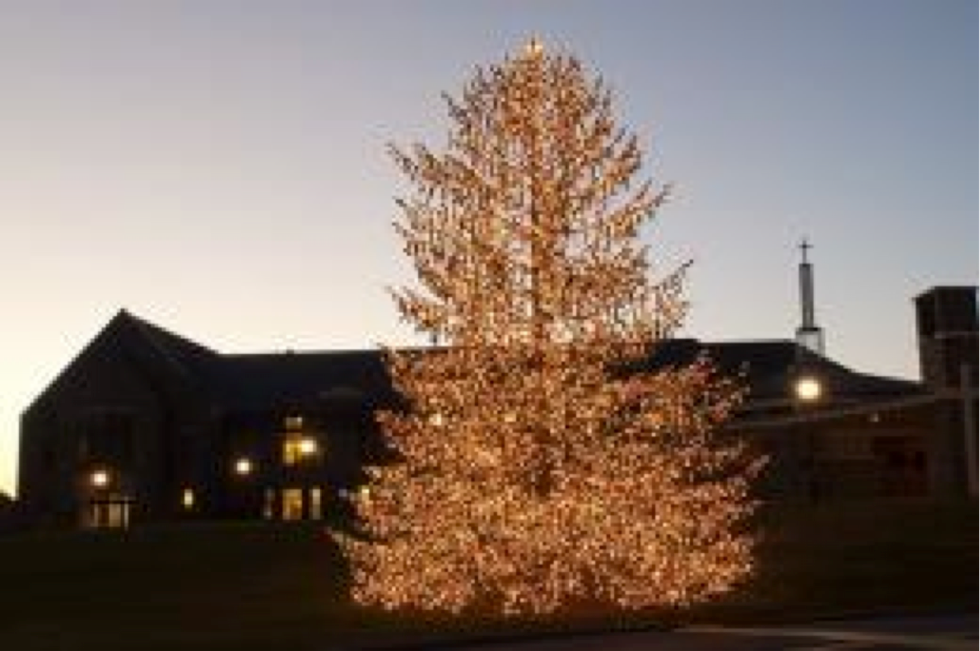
<point x="266" y="586"/>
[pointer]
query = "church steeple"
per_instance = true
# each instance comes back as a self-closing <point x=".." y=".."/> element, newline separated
<point x="808" y="335"/>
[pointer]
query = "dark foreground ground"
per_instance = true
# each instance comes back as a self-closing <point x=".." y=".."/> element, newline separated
<point x="932" y="633"/>
<point x="263" y="586"/>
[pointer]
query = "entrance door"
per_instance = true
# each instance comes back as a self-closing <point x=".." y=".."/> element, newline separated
<point x="107" y="513"/>
<point x="301" y="503"/>
<point x="292" y="504"/>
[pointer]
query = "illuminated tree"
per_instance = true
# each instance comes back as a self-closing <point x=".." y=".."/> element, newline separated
<point x="540" y="467"/>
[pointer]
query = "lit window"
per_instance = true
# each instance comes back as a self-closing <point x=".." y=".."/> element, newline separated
<point x="292" y="504"/>
<point x="293" y="423"/>
<point x="187" y="498"/>
<point x="296" y="449"/>
<point x="316" y="503"/>
<point x="243" y="466"/>
<point x="290" y="451"/>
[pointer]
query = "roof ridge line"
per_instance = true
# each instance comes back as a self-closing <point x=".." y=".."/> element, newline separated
<point x="152" y="334"/>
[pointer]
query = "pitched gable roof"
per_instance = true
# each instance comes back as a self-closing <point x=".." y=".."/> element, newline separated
<point x="187" y="356"/>
<point x="769" y="367"/>
<point x="279" y="380"/>
<point x="151" y="346"/>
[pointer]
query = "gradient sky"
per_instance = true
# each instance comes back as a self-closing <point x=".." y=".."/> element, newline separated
<point x="219" y="169"/>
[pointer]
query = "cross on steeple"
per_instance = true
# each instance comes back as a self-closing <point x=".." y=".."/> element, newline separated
<point x="804" y="247"/>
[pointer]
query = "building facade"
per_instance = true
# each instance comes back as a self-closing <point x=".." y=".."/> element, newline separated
<point x="144" y="425"/>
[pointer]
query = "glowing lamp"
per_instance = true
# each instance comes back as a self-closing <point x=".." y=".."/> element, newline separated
<point x="243" y="466"/>
<point x="808" y="389"/>
<point x="307" y="447"/>
<point x="99" y="478"/>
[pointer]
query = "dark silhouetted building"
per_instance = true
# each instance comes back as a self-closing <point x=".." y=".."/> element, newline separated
<point x="144" y="425"/>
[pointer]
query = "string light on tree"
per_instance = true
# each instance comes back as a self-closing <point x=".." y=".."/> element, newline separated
<point x="539" y="466"/>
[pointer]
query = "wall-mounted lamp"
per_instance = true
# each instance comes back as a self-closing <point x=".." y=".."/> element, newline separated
<point x="243" y="466"/>
<point x="99" y="478"/>
<point x="808" y="388"/>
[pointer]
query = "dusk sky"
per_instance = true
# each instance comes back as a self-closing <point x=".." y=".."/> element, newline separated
<point x="219" y="168"/>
